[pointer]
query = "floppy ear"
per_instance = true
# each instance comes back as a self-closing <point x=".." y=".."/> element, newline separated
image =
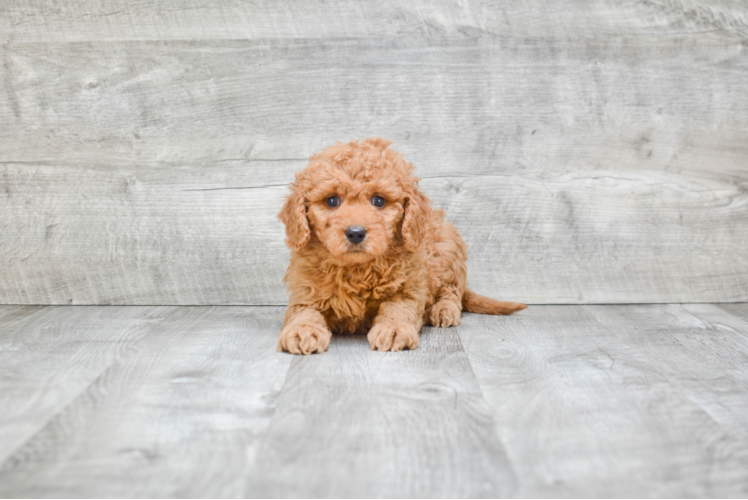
<point x="293" y="215"/>
<point x="418" y="213"/>
<point x="378" y="142"/>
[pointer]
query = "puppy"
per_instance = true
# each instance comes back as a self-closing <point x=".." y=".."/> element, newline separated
<point x="370" y="254"/>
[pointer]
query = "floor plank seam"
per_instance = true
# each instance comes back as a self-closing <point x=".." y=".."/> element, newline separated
<point x="262" y="443"/>
<point x="490" y="414"/>
<point x="72" y="401"/>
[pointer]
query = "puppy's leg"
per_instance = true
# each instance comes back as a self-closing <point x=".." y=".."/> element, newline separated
<point x="305" y="331"/>
<point x="448" y="266"/>
<point x="447" y="310"/>
<point x="396" y="326"/>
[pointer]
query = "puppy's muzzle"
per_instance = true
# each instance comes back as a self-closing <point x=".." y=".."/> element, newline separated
<point x="355" y="234"/>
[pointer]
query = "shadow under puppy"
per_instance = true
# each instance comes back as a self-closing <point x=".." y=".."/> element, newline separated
<point x="370" y="254"/>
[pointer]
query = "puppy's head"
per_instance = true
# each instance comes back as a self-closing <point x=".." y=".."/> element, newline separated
<point x="358" y="199"/>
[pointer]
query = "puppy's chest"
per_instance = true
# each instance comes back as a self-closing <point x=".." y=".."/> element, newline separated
<point x="351" y="300"/>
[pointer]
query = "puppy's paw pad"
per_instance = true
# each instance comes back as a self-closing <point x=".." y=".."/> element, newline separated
<point x="445" y="313"/>
<point x="393" y="337"/>
<point x="304" y="339"/>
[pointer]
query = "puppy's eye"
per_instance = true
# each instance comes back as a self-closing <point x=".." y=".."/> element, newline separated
<point x="333" y="201"/>
<point x="378" y="201"/>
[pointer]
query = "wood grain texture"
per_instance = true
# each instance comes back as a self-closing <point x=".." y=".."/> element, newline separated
<point x="739" y="310"/>
<point x="116" y="20"/>
<point x="357" y="423"/>
<point x="138" y="237"/>
<point x="581" y="236"/>
<point x="558" y="401"/>
<point x="49" y="355"/>
<point x="625" y="401"/>
<point x="735" y="318"/>
<point x="179" y="416"/>
<point x="483" y="105"/>
<point x="151" y="172"/>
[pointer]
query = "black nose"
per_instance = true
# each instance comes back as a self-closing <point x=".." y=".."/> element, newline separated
<point x="355" y="234"/>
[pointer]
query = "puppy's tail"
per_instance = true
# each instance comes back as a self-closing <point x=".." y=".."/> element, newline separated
<point x="474" y="303"/>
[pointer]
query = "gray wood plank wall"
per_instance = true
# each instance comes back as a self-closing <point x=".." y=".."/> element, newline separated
<point x="590" y="152"/>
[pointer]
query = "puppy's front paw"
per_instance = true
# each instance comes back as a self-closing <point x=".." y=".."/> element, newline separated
<point x="390" y="336"/>
<point x="445" y="313"/>
<point x="304" y="339"/>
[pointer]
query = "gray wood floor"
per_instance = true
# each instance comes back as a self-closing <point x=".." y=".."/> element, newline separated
<point x="146" y="401"/>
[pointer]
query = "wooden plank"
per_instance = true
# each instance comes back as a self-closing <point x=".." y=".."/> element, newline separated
<point x="583" y="236"/>
<point x="705" y="358"/>
<point x="143" y="236"/>
<point x="541" y="237"/>
<point x="486" y="104"/>
<point x="46" y="21"/>
<point x="360" y="423"/>
<point x="143" y="182"/>
<point x="725" y="366"/>
<point x="601" y="401"/>
<point x="13" y="318"/>
<point x="49" y="355"/>
<point x="179" y="416"/>
<point x="732" y="317"/>
<point x="589" y="401"/>
<point x="739" y="310"/>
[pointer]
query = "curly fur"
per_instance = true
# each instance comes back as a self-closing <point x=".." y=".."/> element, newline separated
<point x="409" y="270"/>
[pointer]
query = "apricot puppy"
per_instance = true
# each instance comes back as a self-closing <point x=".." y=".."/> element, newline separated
<point x="370" y="254"/>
